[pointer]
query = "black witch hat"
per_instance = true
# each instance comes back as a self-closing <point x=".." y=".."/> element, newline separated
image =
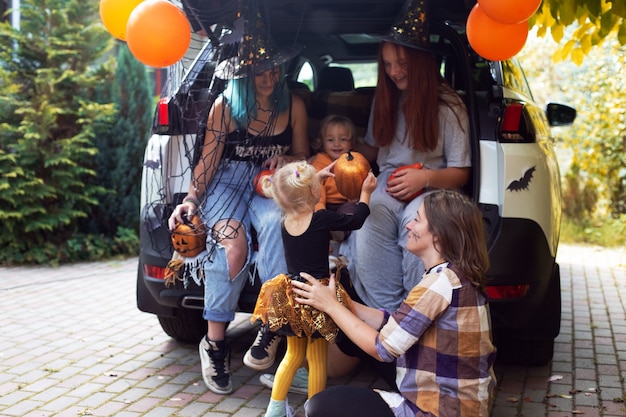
<point x="256" y="51"/>
<point x="412" y="28"/>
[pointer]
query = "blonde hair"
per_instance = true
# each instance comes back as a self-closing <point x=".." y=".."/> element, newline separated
<point x="330" y="121"/>
<point x="295" y="186"/>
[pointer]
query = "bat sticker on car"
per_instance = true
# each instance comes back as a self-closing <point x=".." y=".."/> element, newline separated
<point x="523" y="182"/>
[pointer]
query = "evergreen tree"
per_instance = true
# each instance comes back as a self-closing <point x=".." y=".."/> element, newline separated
<point x="47" y="114"/>
<point x="121" y="149"/>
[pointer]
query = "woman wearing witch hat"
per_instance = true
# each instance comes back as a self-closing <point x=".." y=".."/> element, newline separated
<point x="254" y="124"/>
<point x="430" y="128"/>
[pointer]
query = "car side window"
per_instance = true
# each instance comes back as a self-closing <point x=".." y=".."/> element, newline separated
<point x="365" y="73"/>
<point x="305" y="75"/>
<point x="514" y="78"/>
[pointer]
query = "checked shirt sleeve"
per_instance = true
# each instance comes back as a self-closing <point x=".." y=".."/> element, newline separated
<point x="424" y="304"/>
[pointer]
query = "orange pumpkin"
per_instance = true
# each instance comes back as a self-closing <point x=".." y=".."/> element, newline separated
<point x="189" y="238"/>
<point x="417" y="165"/>
<point x="258" y="180"/>
<point x="350" y="171"/>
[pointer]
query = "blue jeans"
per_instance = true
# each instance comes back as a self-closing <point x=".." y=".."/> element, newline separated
<point x="231" y="195"/>
<point x="385" y="271"/>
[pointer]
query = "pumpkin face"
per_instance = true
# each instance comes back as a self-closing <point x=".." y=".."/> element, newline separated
<point x="258" y="181"/>
<point x="417" y="165"/>
<point x="189" y="239"/>
<point x="350" y="171"/>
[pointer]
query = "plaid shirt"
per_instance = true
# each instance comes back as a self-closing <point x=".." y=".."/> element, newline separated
<point x="441" y="338"/>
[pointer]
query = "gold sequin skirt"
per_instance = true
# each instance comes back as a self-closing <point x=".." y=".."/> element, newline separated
<point x="277" y="308"/>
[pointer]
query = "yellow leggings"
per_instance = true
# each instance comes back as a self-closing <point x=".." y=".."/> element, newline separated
<point x="316" y="352"/>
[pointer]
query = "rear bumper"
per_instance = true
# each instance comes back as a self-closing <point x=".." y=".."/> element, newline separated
<point x="520" y="255"/>
<point x="154" y="297"/>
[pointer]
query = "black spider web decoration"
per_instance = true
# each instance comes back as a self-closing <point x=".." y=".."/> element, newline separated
<point x="170" y="162"/>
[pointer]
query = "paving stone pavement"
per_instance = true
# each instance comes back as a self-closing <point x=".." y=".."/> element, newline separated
<point x="72" y="343"/>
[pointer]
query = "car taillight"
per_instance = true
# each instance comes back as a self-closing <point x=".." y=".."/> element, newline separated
<point x="163" y="112"/>
<point x="500" y="292"/>
<point x="512" y="126"/>
<point x="512" y="117"/>
<point x="154" y="271"/>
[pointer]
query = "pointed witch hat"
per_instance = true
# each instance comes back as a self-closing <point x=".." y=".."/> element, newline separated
<point x="256" y="51"/>
<point x="412" y="28"/>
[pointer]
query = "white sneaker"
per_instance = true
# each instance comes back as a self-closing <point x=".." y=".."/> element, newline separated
<point x="214" y="360"/>
<point x="299" y="385"/>
<point x="262" y="353"/>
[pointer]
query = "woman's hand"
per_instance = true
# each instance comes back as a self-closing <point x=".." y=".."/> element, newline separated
<point x="313" y="293"/>
<point x="181" y="213"/>
<point x="360" y="327"/>
<point x="278" y="161"/>
<point x="407" y="182"/>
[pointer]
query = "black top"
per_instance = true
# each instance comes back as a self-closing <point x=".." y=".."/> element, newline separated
<point x="308" y="252"/>
<point x="242" y="145"/>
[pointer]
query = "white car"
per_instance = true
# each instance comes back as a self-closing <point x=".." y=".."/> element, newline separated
<point x="515" y="178"/>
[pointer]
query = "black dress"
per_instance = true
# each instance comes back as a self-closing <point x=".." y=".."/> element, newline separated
<point x="308" y="253"/>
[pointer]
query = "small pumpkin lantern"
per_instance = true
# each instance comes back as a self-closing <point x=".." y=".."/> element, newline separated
<point x="417" y="165"/>
<point x="189" y="238"/>
<point x="258" y="181"/>
<point x="350" y="171"/>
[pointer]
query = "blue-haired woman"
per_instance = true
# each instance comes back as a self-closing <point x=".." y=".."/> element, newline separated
<point x="254" y="124"/>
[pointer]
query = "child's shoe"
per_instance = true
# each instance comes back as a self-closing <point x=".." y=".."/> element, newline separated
<point x="278" y="409"/>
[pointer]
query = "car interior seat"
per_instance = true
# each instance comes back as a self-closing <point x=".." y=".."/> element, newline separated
<point x="336" y="94"/>
<point x="335" y="79"/>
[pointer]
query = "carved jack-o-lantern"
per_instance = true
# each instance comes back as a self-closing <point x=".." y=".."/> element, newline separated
<point x="189" y="238"/>
<point x="350" y="171"/>
<point x="416" y="165"/>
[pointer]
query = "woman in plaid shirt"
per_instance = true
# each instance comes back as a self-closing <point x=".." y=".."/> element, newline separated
<point x="440" y="336"/>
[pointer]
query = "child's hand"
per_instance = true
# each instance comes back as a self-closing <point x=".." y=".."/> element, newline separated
<point x="369" y="183"/>
<point x="327" y="171"/>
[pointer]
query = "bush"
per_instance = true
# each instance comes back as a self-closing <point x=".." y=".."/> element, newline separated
<point x="54" y="83"/>
<point x="580" y="196"/>
<point x="610" y="232"/>
<point x="79" y="248"/>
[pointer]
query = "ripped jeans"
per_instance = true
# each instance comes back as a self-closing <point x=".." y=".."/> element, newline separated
<point x="231" y="196"/>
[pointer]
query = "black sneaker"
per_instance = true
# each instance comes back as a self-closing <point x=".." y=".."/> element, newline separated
<point x="262" y="353"/>
<point x="215" y="363"/>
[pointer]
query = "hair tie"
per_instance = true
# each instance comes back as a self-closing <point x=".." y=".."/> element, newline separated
<point x="297" y="173"/>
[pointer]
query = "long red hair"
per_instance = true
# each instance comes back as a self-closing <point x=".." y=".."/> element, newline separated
<point x="426" y="87"/>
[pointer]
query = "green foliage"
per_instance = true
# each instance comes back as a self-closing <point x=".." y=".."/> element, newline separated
<point x="610" y="232"/>
<point x="121" y="144"/>
<point x="579" y="197"/>
<point x="593" y="150"/>
<point x="47" y="117"/>
<point x="580" y="25"/>
<point x="79" y="247"/>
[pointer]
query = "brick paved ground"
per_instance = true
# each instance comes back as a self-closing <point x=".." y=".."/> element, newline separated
<point x="72" y="343"/>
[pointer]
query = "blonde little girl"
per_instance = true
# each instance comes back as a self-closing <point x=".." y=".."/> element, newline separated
<point x="297" y="187"/>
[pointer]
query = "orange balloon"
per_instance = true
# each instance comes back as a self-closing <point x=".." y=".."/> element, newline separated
<point x="509" y="11"/>
<point x="494" y="40"/>
<point x="114" y="15"/>
<point x="158" y="33"/>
